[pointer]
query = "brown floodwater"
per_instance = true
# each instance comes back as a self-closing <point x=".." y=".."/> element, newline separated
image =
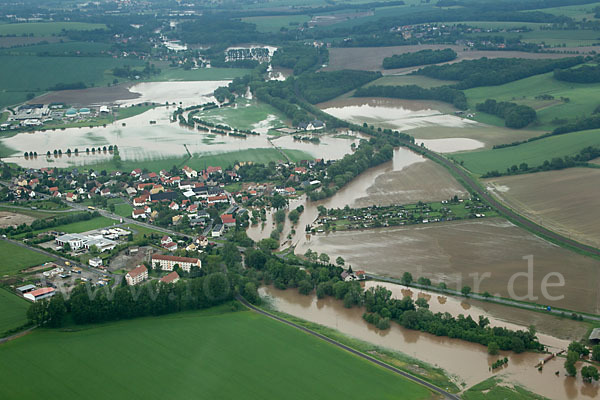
<point x="465" y="362"/>
<point x="486" y="254"/>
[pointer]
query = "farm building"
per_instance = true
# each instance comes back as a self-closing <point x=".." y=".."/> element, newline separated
<point x="40" y="294"/>
<point x="595" y="336"/>
<point x="26" y="289"/>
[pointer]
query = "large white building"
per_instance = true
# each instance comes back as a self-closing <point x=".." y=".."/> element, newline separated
<point x="77" y="241"/>
<point x="167" y="263"/>
<point x="137" y="275"/>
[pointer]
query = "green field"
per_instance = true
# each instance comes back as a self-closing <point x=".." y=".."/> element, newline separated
<point x="12" y="311"/>
<point x="77" y="227"/>
<point x="247" y="115"/>
<point x="494" y="389"/>
<point x="128" y="112"/>
<point x="583" y="98"/>
<point x="123" y="209"/>
<point x="211" y="354"/>
<point x="533" y="153"/>
<point x="46" y="28"/>
<point x="577" y="12"/>
<point x="20" y="258"/>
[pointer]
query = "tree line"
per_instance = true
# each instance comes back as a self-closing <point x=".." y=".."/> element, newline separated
<point x="446" y="94"/>
<point x="494" y="71"/>
<point x="422" y="57"/>
<point x="515" y="116"/>
<point x="299" y="57"/>
<point x="580" y="159"/>
<point x="583" y="74"/>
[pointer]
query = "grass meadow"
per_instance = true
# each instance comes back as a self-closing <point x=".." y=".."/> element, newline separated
<point x="533" y="153"/>
<point x="583" y="98"/>
<point x="20" y="258"/>
<point x="77" y="227"/>
<point x="46" y="28"/>
<point x="206" y="354"/>
<point x="12" y="311"/>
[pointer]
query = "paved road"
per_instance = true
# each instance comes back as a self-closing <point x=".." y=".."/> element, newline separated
<point x="351" y="350"/>
<point x="472" y="185"/>
<point x="475" y="296"/>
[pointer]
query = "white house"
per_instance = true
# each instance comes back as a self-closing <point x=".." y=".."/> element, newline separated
<point x="167" y="263"/>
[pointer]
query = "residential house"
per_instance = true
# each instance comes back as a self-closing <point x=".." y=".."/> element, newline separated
<point x="167" y="263"/>
<point x="172" y="277"/>
<point x="137" y="275"/>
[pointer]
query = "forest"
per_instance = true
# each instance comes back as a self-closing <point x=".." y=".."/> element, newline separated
<point x="494" y="71"/>
<point x="299" y="57"/>
<point x="515" y="116"/>
<point x="583" y="74"/>
<point x="317" y="87"/>
<point x="446" y="94"/>
<point x="422" y="57"/>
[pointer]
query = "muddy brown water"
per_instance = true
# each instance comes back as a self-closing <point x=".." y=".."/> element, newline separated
<point x="461" y="252"/>
<point x="466" y="362"/>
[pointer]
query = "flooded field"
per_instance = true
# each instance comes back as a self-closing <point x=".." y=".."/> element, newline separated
<point x="371" y="58"/>
<point x="394" y="113"/>
<point x="487" y="134"/>
<point x="486" y="255"/>
<point x="565" y="201"/>
<point x="467" y="363"/>
<point x="139" y="139"/>
<point x="450" y="145"/>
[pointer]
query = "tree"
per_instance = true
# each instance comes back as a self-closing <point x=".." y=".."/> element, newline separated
<point x="324" y="258"/>
<point x="596" y="352"/>
<point x="57" y="311"/>
<point x="305" y="287"/>
<point x="37" y="312"/>
<point x="579" y="348"/>
<point x="340" y="262"/>
<point x="572" y="358"/>
<point x="466" y="290"/>
<point x="251" y="293"/>
<point x="422" y="303"/>
<point x="493" y="348"/>
<point x="517" y="345"/>
<point x="407" y="278"/>
<point x="279" y="201"/>
<point x="589" y="373"/>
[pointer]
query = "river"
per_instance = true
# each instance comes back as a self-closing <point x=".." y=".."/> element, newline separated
<point x="467" y="363"/>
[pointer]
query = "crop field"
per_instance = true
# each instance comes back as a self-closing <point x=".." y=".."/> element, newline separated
<point x="12" y="311"/>
<point x="457" y="252"/>
<point x="200" y="355"/>
<point x="554" y="38"/>
<point x="371" y="58"/>
<point x="583" y="98"/>
<point x="275" y="23"/>
<point x="401" y="80"/>
<point x="20" y="75"/>
<point x="20" y="258"/>
<point x="533" y="153"/>
<point x="46" y="28"/>
<point x="565" y="201"/>
<point x="249" y="114"/>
